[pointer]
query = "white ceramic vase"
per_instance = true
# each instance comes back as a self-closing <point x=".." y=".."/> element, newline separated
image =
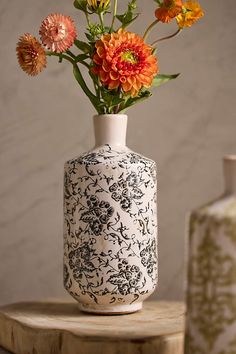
<point x="211" y="290"/>
<point x="110" y="230"/>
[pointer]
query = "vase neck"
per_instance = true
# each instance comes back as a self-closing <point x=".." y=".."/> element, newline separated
<point x="230" y="174"/>
<point x="110" y="129"/>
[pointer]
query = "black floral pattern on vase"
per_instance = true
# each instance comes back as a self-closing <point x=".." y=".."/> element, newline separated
<point x="135" y="158"/>
<point x="66" y="277"/>
<point x="98" y="237"/>
<point x="149" y="258"/>
<point x="125" y="191"/>
<point x="97" y="215"/>
<point x="128" y="278"/>
<point x="80" y="261"/>
<point x="88" y="158"/>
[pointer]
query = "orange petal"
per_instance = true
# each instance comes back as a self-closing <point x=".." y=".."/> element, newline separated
<point x="114" y="75"/>
<point x="126" y="86"/>
<point x="97" y="59"/>
<point x="100" y="51"/>
<point x="104" y="76"/>
<point x="133" y="92"/>
<point x="113" y="84"/>
<point x="123" y="79"/>
<point x="105" y="66"/>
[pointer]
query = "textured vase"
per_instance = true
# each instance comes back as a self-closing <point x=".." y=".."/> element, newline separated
<point x="211" y="290"/>
<point x="110" y="230"/>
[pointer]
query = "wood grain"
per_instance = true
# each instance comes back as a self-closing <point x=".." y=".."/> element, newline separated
<point x="60" y="328"/>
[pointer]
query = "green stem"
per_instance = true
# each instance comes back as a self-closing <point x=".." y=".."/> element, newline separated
<point x="60" y="55"/>
<point x="168" y="37"/>
<point x="114" y="14"/>
<point x="94" y="84"/>
<point x="71" y="54"/>
<point x="149" y="29"/>
<point x="101" y="19"/>
<point x="84" y="64"/>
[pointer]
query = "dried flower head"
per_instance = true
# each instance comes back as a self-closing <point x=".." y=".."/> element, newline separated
<point x="123" y="60"/>
<point x="31" y="55"/>
<point x="98" y="5"/>
<point x="58" y="32"/>
<point x="168" y="10"/>
<point x="191" y="13"/>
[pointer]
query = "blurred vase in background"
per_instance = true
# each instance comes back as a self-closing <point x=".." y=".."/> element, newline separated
<point x="211" y="289"/>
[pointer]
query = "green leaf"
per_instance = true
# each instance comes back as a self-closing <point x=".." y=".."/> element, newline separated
<point x="81" y="57"/>
<point x="132" y="5"/>
<point x="79" y="78"/>
<point x="106" y="94"/>
<point x="89" y="37"/>
<point x="127" y="18"/>
<point x="117" y="100"/>
<point x="143" y="95"/>
<point x="81" y="5"/>
<point x="162" y="79"/>
<point x="83" y="46"/>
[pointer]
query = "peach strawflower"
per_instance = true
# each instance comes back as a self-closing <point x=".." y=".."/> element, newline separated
<point x="168" y="10"/>
<point x="122" y="60"/>
<point x="58" y="32"/>
<point x="31" y="55"/>
<point x="191" y="13"/>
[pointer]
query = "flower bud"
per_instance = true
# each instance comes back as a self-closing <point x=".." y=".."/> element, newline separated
<point x="98" y="6"/>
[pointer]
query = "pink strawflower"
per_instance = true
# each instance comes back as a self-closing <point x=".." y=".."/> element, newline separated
<point x="58" y="32"/>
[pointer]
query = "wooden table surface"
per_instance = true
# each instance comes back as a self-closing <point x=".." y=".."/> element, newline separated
<point x="4" y="351"/>
<point x="60" y="328"/>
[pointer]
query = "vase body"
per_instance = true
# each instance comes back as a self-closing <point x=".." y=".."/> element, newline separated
<point x="211" y="290"/>
<point x="110" y="229"/>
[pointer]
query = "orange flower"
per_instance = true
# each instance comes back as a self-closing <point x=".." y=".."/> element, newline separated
<point x="31" y="55"/>
<point x="123" y="60"/>
<point x="191" y="13"/>
<point x="168" y="10"/>
<point x="58" y="32"/>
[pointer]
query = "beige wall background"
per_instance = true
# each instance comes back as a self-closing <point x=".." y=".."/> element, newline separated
<point x="187" y="126"/>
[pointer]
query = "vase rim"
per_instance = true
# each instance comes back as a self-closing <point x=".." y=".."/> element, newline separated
<point x="230" y="174"/>
<point x="110" y="115"/>
<point x="230" y="157"/>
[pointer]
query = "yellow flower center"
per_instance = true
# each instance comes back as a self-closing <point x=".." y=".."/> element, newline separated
<point x="129" y="56"/>
<point x="58" y="32"/>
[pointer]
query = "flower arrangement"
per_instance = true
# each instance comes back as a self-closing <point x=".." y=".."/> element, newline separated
<point x="122" y="66"/>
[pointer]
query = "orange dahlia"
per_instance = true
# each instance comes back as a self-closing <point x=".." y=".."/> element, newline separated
<point x="31" y="55"/>
<point x="58" y="32"/>
<point x="191" y="13"/>
<point x="168" y="10"/>
<point x="123" y="60"/>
